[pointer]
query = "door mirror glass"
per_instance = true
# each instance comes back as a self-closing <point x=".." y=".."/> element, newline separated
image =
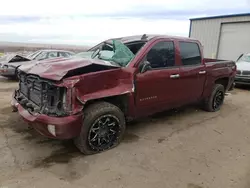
<point x="145" y="66"/>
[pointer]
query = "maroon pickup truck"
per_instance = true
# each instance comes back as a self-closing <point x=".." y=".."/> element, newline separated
<point x="90" y="96"/>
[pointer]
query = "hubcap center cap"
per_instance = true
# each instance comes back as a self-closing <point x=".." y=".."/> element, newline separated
<point x="103" y="132"/>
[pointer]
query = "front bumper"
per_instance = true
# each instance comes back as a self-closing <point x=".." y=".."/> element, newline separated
<point x="65" y="127"/>
<point x="244" y="80"/>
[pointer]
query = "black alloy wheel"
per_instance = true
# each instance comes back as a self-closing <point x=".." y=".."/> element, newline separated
<point x="218" y="99"/>
<point x="102" y="128"/>
<point x="215" y="100"/>
<point x="104" y="132"/>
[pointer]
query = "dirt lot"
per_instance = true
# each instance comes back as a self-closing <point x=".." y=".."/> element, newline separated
<point x="187" y="148"/>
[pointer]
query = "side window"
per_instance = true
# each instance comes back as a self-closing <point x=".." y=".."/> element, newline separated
<point x="162" y="55"/>
<point x="52" y="54"/>
<point x="69" y="54"/>
<point x="190" y="53"/>
<point x="64" y="54"/>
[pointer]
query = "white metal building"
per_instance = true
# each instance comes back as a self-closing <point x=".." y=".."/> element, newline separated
<point x="222" y="37"/>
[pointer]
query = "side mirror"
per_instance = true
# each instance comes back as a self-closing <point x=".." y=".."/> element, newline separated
<point x="145" y="66"/>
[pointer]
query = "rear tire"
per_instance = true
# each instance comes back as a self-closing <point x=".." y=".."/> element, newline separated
<point x="102" y="129"/>
<point x="214" y="102"/>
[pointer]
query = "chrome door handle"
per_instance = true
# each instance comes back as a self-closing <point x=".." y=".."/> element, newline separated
<point x="174" y="76"/>
<point x="202" y="72"/>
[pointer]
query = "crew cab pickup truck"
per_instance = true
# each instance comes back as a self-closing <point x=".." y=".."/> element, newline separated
<point x="90" y="98"/>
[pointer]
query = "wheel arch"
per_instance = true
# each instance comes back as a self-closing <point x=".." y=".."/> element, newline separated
<point x="223" y="81"/>
<point x="121" y="101"/>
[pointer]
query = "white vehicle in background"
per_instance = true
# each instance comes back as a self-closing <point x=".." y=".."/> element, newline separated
<point x="10" y="63"/>
<point x="243" y="70"/>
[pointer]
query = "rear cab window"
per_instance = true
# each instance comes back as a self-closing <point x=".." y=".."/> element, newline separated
<point x="190" y="53"/>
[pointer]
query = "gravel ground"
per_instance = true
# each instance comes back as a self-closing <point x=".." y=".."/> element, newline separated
<point x="187" y="148"/>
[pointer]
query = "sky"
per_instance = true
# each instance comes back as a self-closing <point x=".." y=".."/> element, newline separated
<point x="79" y="22"/>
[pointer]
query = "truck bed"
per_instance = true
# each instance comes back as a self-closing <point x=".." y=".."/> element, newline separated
<point x="218" y="63"/>
<point x="217" y="68"/>
<point x="210" y="60"/>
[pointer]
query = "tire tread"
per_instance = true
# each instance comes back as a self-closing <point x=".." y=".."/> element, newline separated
<point x="208" y="103"/>
<point x="90" y="113"/>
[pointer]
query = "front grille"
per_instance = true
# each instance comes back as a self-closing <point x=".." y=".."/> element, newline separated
<point x="41" y="95"/>
<point x="31" y="88"/>
<point x="245" y="73"/>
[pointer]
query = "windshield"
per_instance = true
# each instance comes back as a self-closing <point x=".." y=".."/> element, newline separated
<point x="33" y="55"/>
<point x="42" y="55"/>
<point x="120" y="54"/>
<point x="245" y="58"/>
<point x="6" y="57"/>
<point x="114" y="51"/>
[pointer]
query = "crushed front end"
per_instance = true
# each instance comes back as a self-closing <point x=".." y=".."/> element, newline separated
<point x="47" y="107"/>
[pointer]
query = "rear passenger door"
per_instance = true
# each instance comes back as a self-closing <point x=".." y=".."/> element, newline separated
<point x="158" y="88"/>
<point x="192" y="71"/>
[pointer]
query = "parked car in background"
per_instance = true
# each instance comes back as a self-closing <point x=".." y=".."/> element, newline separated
<point x="9" y="63"/>
<point x="243" y="70"/>
<point x="90" y="98"/>
<point x="47" y="54"/>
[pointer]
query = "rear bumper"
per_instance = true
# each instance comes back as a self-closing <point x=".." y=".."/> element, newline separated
<point x="65" y="127"/>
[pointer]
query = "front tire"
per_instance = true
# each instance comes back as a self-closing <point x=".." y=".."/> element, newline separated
<point x="103" y="128"/>
<point x="214" y="102"/>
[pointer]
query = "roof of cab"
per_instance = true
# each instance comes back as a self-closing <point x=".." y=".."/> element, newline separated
<point x="53" y="50"/>
<point x="136" y="38"/>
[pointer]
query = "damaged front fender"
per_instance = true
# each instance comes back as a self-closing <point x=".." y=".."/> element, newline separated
<point x="95" y="86"/>
<point x="105" y="84"/>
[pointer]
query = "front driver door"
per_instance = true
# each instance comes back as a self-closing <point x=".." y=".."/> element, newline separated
<point x="158" y="88"/>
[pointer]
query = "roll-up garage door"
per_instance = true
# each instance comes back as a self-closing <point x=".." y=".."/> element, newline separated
<point x="234" y="40"/>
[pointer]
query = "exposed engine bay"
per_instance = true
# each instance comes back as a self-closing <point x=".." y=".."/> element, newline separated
<point x="41" y="96"/>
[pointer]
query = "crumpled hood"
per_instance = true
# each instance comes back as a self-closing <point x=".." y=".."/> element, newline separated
<point x="57" y="68"/>
<point x="242" y="65"/>
<point x="5" y="60"/>
<point x="16" y="64"/>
